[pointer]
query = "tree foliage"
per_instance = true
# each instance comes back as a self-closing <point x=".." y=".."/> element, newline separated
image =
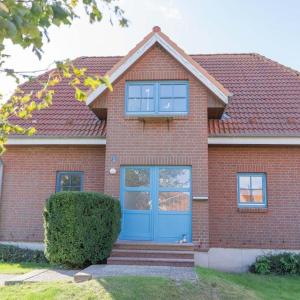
<point x="26" y="23"/>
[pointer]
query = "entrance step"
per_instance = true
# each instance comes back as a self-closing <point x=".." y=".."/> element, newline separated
<point x="152" y="254"/>
<point x="151" y="261"/>
<point x="154" y="246"/>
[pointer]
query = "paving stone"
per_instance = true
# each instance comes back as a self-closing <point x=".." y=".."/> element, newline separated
<point x="175" y="273"/>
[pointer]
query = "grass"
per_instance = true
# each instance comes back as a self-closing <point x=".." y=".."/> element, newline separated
<point x="20" y="268"/>
<point x="251" y="286"/>
<point x="212" y="285"/>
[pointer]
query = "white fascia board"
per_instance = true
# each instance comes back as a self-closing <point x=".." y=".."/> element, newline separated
<point x="135" y="56"/>
<point x="130" y="61"/>
<point x="55" y="141"/>
<point x="193" y="69"/>
<point x="254" y="140"/>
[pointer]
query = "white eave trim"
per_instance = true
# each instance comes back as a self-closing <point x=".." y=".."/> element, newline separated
<point x="135" y="56"/>
<point x="55" y="141"/>
<point x="254" y="140"/>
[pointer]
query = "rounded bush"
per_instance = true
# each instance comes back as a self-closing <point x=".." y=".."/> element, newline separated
<point x="280" y="264"/>
<point x="80" y="227"/>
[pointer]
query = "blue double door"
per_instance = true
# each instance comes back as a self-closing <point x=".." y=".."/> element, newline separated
<point x="156" y="203"/>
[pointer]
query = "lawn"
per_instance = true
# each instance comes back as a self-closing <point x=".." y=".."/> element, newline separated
<point x="213" y="285"/>
<point x="20" y="268"/>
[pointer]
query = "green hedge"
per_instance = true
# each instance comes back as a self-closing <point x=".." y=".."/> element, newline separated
<point x="80" y="227"/>
<point x="281" y="264"/>
<point x="18" y="255"/>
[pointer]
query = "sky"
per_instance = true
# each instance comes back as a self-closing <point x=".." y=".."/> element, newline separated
<point x="268" y="27"/>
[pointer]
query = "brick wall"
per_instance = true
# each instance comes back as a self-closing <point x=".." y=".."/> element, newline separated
<point x="30" y="177"/>
<point x="277" y="226"/>
<point x="182" y="141"/>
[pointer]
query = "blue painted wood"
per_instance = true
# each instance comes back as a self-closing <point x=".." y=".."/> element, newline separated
<point x="264" y="190"/>
<point x="155" y="224"/>
<point x="156" y="86"/>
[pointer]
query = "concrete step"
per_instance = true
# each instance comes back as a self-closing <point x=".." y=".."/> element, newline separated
<point x="152" y="254"/>
<point x="153" y="246"/>
<point x="150" y="261"/>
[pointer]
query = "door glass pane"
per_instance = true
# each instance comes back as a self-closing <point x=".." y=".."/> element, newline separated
<point x="244" y="182"/>
<point x="137" y="177"/>
<point x="174" y="177"/>
<point x="245" y="195"/>
<point x="137" y="200"/>
<point x="257" y="196"/>
<point x="174" y="201"/>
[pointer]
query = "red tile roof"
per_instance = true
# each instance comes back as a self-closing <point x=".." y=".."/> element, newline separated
<point x="265" y="101"/>
<point x="266" y="95"/>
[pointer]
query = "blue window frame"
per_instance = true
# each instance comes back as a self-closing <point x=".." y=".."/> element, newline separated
<point x="157" y="98"/>
<point x="69" y="181"/>
<point x="252" y="189"/>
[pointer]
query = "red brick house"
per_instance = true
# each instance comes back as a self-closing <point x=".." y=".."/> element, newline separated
<point x="203" y="149"/>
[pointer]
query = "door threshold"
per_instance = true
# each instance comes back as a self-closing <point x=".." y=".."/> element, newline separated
<point x="152" y="243"/>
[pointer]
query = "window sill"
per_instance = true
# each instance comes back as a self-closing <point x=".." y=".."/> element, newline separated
<point x="157" y="118"/>
<point x="252" y="209"/>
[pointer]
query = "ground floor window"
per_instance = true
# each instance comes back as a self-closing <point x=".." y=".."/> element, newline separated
<point x="69" y="181"/>
<point x="252" y="190"/>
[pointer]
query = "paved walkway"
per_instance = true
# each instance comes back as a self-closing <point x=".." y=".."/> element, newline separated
<point x="40" y="275"/>
<point x="100" y="271"/>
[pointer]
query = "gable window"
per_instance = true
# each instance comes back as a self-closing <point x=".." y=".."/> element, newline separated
<point x="252" y="190"/>
<point x="157" y="97"/>
<point x="69" y="181"/>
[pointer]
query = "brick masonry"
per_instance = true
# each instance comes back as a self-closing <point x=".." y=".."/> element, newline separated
<point x="277" y="226"/>
<point x="30" y="178"/>
<point x="182" y="141"/>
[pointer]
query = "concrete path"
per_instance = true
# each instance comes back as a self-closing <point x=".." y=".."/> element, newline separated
<point x="100" y="271"/>
<point x="4" y="277"/>
<point x="46" y="275"/>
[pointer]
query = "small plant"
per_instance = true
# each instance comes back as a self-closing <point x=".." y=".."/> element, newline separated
<point x="281" y="264"/>
<point x="80" y="227"/>
<point x="14" y="254"/>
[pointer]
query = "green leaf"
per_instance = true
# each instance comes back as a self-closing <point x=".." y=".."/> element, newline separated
<point x="79" y="72"/>
<point x="80" y="95"/>
<point x="92" y="83"/>
<point x="3" y="7"/>
<point x="31" y="131"/>
<point x="106" y="81"/>
<point x="11" y="28"/>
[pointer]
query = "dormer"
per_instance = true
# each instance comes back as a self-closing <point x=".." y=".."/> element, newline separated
<point x="162" y="98"/>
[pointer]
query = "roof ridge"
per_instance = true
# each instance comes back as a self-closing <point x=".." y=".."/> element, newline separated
<point x="276" y="63"/>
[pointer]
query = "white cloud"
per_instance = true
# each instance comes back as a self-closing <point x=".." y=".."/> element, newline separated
<point x="170" y="11"/>
<point x="167" y="9"/>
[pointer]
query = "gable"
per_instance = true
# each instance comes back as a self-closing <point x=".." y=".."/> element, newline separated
<point x="156" y="36"/>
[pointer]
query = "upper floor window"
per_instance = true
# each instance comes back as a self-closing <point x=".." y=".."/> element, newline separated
<point x="69" y="181"/>
<point x="252" y="190"/>
<point x="157" y="98"/>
